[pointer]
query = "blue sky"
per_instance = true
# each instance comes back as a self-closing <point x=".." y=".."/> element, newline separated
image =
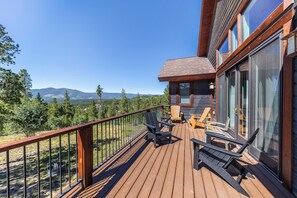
<point x="118" y="44"/>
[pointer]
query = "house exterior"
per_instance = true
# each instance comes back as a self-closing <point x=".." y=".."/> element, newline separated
<point x="242" y="51"/>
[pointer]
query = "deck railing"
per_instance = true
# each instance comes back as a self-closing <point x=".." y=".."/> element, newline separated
<point x="53" y="163"/>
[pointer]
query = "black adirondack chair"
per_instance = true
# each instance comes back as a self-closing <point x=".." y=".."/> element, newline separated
<point x="221" y="161"/>
<point x="154" y="128"/>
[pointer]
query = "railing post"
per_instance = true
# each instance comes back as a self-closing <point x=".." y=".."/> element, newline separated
<point x="163" y="110"/>
<point x="85" y="155"/>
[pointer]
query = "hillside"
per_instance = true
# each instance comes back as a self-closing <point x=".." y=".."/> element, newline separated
<point x="49" y="93"/>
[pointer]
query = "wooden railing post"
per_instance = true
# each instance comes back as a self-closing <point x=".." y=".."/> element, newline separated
<point x="85" y="155"/>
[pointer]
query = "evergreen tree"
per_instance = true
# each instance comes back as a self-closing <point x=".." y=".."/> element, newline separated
<point x="99" y="92"/>
<point x="10" y="87"/>
<point x="8" y="48"/>
<point x="112" y="110"/>
<point x="26" y="82"/>
<point x="40" y="99"/>
<point x="92" y="111"/>
<point x="138" y="102"/>
<point x="68" y="110"/>
<point x="55" y="119"/>
<point x="166" y="95"/>
<point x="124" y="105"/>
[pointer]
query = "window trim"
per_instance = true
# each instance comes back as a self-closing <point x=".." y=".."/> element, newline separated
<point x="238" y="19"/>
<point x="191" y="104"/>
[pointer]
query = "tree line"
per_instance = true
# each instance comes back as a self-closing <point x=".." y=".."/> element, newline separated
<point x="22" y="113"/>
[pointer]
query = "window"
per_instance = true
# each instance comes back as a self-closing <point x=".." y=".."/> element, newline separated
<point x="256" y="12"/>
<point x="234" y="38"/>
<point x="221" y="99"/>
<point x="266" y="109"/>
<point x="184" y="93"/>
<point x="223" y="52"/>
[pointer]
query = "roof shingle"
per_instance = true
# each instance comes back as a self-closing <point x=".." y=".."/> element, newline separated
<point x="191" y="66"/>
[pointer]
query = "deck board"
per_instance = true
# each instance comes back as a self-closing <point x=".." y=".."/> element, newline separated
<point x="167" y="171"/>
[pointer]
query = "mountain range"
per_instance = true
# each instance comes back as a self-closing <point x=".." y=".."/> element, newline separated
<point x="49" y="93"/>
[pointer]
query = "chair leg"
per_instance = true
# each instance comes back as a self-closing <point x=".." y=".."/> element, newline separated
<point x="170" y="139"/>
<point x="155" y="142"/>
<point x="196" y="157"/>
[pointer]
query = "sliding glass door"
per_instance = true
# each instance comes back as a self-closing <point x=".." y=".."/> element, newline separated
<point x="232" y="98"/>
<point x="266" y="111"/>
<point x="238" y="82"/>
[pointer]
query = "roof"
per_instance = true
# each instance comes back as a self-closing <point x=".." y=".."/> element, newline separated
<point x="183" y="69"/>
<point x="206" y="18"/>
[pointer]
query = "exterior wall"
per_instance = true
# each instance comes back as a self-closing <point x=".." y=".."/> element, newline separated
<point x="225" y="11"/>
<point x="294" y="176"/>
<point x="202" y="97"/>
<point x="280" y="19"/>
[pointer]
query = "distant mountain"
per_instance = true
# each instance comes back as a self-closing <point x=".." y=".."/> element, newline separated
<point x="49" y="93"/>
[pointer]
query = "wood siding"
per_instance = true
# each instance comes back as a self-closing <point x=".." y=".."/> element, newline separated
<point x="201" y="94"/>
<point x="225" y="12"/>
<point x="294" y="174"/>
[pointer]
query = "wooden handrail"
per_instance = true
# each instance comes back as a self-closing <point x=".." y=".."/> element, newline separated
<point x="45" y="136"/>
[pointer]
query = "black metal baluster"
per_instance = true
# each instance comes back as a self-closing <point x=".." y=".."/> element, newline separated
<point x="102" y="142"/>
<point x="69" y="163"/>
<point x="117" y="134"/>
<point x="76" y="160"/>
<point x="105" y="131"/>
<point x="109" y="140"/>
<point x="50" y="165"/>
<point x="113" y="136"/>
<point x="25" y="170"/>
<point x="38" y="169"/>
<point x="60" y="165"/>
<point x="7" y="174"/>
<point x="97" y="146"/>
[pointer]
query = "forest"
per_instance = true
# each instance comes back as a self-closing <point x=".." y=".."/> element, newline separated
<point x="22" y="113"/>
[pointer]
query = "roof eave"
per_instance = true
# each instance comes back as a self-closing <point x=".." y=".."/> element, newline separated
<point x="206" y="18"/>
<point x="207" y="76"/>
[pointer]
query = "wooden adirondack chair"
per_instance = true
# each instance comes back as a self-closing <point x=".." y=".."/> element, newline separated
<point x="200" y="121"/>
<point x="154" y="128"/>
<point x="175" y="113"/>
<point x="220" y="160"/>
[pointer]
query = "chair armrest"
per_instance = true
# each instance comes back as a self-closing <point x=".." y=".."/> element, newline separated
<point x="198" y="142"/>
<point x="222" y="137"/>
<point x="166" y="123"/>
<point x="150" y="126"/>
<point x="216" y="123"/>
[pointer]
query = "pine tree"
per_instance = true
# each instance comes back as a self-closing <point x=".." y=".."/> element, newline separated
<point x="124" y="105"/>
<point x="26" y="82"/>
<point x="112" y="110"/>
<point x="8" y="48"/>
<point x="138" y="102"/>
<point x="99" y="92"/>
<point x="92" y="111"/>
<point x="10" y="87"/>
<point x="68" y="110"/>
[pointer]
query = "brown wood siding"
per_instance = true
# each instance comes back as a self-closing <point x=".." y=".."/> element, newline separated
<point x="294" y="175"/>
<point x="201" y="97"/>
<point x="225" y="12"/>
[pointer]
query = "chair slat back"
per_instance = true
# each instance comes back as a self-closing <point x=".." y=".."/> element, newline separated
<point x="175" y="111"/>
<point x="151" y="118"/>
<point x="248" y="142"/>
<point x="204" y="114"/>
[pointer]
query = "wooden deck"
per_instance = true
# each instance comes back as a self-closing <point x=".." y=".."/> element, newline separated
<point x="167" y="171"/>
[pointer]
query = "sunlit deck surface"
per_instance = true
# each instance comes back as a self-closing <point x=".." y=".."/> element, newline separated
<point x="167" y="171"/>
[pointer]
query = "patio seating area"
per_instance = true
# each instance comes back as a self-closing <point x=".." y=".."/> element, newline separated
<point x="167" y="171"/>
